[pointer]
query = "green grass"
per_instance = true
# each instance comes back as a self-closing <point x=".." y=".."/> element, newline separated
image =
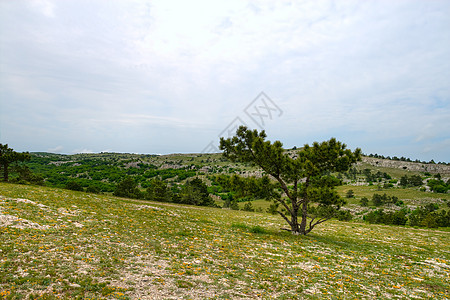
<point x="65" y="244"/>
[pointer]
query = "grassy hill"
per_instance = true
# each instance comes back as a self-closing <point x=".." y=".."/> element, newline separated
<point x="58" y="243"/>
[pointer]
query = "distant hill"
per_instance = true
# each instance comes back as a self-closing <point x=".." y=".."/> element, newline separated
<point x="443" y="169"/>
<point x="208" y="162"/>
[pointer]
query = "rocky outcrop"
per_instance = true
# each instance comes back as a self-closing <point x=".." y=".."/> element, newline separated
<point x="410" y="166"/>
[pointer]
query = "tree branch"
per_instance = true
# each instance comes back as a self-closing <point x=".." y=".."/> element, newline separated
<point x="284" y="217"/>
<point x="311" y="226"/>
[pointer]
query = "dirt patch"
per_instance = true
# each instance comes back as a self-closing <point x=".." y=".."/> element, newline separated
<point x="151" y="279"/>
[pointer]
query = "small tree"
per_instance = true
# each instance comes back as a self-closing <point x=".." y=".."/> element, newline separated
<point x="364" y="201"/>
<point x="302" y="177"/>
<point x="158" y="191"/>
<point x="8" y="156"/>
<point x="234" y="205"/>
<point x="377" y="200"/>
<point x="25" y="176"/>
<point x="195" y="192"/>
<point x="404" y="180"/>
<point x="128" y="188"/>
<point x="248" y="206"/>
<point x="350" y="194"/>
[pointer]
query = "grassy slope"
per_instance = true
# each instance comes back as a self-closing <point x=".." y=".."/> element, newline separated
<point x="73" y="244"/>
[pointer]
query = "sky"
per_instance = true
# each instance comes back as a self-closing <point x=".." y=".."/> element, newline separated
<point x="163" y="77"/>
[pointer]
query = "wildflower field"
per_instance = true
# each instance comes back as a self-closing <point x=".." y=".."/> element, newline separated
<point x="58" y="243"/>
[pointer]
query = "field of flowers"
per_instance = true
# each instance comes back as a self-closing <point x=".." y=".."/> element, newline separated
<point x="57" y="243"/>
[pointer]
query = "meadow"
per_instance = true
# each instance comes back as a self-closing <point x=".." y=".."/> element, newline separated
<point x="56" y="243"/>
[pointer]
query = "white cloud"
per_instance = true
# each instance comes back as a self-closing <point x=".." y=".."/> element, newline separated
<point x="88" y="73"/>
<point x="57" y="149"/>
<point x="46" y="7"/>
<point x="83" y="150"/>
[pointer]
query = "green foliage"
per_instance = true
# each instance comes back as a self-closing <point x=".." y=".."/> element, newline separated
<point x="8" y="156"/>
<point x="25" y="176"/>
<point x="414" y="180"/>
<point x="364" y="201"/>
<point x="379" y="200"/>
<point x="344" y="215"/>
<point x="128" y="188"/>
<point x="424" y="216"/>
<point x="390" y="218"/>
<point x="195" y="192"/>
<point x="350" y="194"/>
<point x="378" y="176"/>
<point x="158" y="191"/>
<point x="93" y="189"/>
<point x="273" y="208"/>
<point x="234" y="205"/>
<point x="248" y="187"/>
<point x="248" y="206"/>
<point x="103" y="170"/>
<point x="303" y="178"/>
<point x="438" y="185"/>
<point x="428" y="216"/>
<point x="74" y="186"/>
<point x="253" y="229"/>
<point x="257" y="229"/>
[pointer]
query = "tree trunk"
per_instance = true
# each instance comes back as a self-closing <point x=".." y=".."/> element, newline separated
<point x="294" y="218"/>
<point x="304" y="217"/>
<point x="5" y="172"/>
<point x="294" y="222"/>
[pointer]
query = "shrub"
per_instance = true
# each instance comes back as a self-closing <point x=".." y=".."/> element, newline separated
<point x="248" y="206"/>
<point x="350" y="194"/>
<point x="344" y="215"/>
<point x="93" y="189"/>
<point x="364" y="201"/>
<point x="234" y="205"/>
<point x="427" y="216"/>
<point x="74" y="186"/>
<point x="128" y="188"/>
<point x="257" y="229"/>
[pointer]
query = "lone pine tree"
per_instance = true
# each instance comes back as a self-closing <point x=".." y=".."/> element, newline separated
<point x="303" y="174"/>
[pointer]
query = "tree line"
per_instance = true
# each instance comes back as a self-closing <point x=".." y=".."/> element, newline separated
<point x="405" y="159"/>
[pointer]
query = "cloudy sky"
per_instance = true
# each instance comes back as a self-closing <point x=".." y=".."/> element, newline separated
<point x="171" y="76"/>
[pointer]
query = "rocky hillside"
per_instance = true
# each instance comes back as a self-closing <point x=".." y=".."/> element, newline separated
<point x="410" y="166"/>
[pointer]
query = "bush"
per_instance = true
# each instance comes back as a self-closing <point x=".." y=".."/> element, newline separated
<point x="93" y="189"/>
<point x="128" y="188"/>
<point x="364" y="201"/>
<point x="344" y="215"/>
<point x="438" y="185"/>
<point x="234" y="205"/>
<point x="257" y="229"/>
<point x="388" y="218"/>
<point x="27" y="177"/>
<point x="248" y="206"/>
<point x="74" y="186"/>
<point x="427" y="216"/>
<point x="399" y="218"/>
<point x="388" y="185"/>
<point x="195" y="192"/>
